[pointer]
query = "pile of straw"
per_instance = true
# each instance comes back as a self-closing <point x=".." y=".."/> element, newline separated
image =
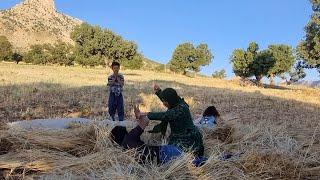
<point x="86" y="152"/>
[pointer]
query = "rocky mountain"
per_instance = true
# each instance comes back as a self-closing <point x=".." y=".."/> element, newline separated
<point x="34" y="22"/>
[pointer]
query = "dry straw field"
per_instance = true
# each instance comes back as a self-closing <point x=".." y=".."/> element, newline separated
<point x="273" y="133"/>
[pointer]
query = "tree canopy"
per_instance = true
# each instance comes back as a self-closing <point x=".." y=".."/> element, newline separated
<point x="97" y="46"/>
<point x="271" y="62"/>
<point x="188" y="57"/>
<point x="283" y="60"/>
<point x="5" y="48"/>
<point x="309" y="47"/>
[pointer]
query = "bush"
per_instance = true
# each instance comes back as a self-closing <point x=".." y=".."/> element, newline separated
<point x="135" y="63"/>
<point x="5" y="49"/>
<point x="220" y="74"/>
<point x="16" y="57"/>
<point x="39" y="54"/>
<point x="61" y="54"/>
<point x="160" y="68"/>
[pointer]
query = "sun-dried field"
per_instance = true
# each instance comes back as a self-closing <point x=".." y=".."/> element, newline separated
<point x="272" y="132"/>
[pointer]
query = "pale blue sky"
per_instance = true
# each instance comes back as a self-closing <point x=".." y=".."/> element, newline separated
<point x="159" y="26"/>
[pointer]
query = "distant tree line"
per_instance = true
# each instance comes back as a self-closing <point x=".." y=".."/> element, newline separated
<point x="279" y="59"/>
<point x="94" y="46"/>
<point x="274" y="61"/>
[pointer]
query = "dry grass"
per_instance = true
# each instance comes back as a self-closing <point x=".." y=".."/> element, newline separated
<point x="274" y="133"/>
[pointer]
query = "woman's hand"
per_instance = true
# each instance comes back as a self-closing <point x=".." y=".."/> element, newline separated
<point x="141" y="117"/>
<point x="138" y="114"/>
<point x="137" y="111"/>
<point x="143" y="121"/>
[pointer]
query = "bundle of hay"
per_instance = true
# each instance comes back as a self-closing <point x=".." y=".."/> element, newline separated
<point x="87" y="152"/>
<point x="74" y="141"/>
<point x="33" y="151"/>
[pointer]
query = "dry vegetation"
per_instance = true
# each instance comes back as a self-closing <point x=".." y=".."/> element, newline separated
<point x="274" y="133"/>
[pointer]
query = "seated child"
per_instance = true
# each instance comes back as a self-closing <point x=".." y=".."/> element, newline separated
<point x="209" y="118"/>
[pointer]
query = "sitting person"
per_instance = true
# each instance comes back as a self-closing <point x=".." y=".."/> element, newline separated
<point x="209" y="118"/>
<point x="184" y="134"/>
<point x="130" y="140"/>
<point x="162" y="154"/>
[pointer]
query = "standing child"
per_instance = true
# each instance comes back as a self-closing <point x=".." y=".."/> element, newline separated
<point x="116" y="83"/>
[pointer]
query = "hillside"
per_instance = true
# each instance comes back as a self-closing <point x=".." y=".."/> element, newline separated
<point x="38" y="22"/>
<point x="150" y="64"/>
<point x="272" y="133"/>
<point x="308" y="83"/>
<point x="34" y="22"/>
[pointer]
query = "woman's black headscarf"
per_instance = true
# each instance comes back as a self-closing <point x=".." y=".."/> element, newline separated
<point x="170" y="95"/>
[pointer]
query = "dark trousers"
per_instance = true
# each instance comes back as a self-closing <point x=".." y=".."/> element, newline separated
<point x="115" y="104"/>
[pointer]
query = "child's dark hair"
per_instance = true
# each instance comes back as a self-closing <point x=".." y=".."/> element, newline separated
<point x="211" y="111"/>
<point x="118" y="133"/>
<point x="115" y="63"/>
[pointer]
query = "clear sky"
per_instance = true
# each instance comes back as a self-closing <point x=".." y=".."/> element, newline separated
<point x="159" y="26"/>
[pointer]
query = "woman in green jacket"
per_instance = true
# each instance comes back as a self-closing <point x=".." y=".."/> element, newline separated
<point x="184" y="134"/>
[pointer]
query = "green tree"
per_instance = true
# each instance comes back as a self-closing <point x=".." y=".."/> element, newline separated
<point x="243" y="61"/>
<point x="96" y="46"/>
<point x="88" y="49"/>
<point x="253" y="48"/>
<point x="61" y="53"/>
<point x="181" y="58"/>
<point x="16" y="57"/>
<point x="39" y="54"/>
<point x="220" y="74"/>
<point x="135" y="63"/>
<point x="187" y="57"/>
<point x="276" y="60"/>
<point x="204" y="57"/>
<point x="241" y="64"/>
<point x="5" y="48"/>
<point x="261" y="65"/>
<point x="283" y="59"/>
<point x="258" y="61"/>
<point x="309" y="48"/>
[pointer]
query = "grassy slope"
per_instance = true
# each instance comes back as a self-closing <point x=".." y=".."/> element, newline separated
<point x="283" y="121"/>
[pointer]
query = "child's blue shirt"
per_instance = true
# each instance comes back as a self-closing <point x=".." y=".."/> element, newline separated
<point x="208" y="121"/>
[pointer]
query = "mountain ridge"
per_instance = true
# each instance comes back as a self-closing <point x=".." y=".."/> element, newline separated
<point x="36" y="22"/>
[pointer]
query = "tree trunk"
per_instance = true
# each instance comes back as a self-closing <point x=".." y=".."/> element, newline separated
<point x="271" y="78"/>
<point x="259" y="79"/>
